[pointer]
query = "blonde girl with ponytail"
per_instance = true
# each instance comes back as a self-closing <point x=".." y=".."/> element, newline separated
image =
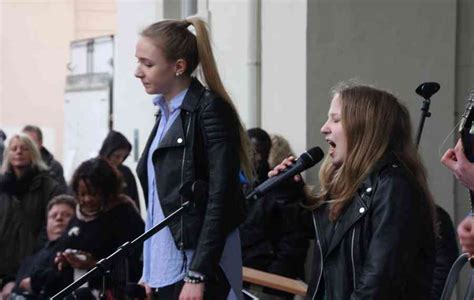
<point x="198" y="137"/>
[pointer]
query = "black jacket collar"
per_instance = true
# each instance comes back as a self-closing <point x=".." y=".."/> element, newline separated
<point x="191" y="100"/>
<point x="361" y="202"/>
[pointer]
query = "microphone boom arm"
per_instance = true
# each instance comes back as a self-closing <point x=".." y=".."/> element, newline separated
<point x="103" y="265"/>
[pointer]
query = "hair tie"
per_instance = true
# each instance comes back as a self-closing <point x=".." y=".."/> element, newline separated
<point x="191" y="28"/>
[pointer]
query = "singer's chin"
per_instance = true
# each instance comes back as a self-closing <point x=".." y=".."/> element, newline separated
<point x="336" y="163"/>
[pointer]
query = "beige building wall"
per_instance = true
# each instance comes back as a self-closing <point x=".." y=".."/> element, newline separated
<point x="94" y="18"/>
<point x="34" y="53"/>
<point x="34" y="46"/>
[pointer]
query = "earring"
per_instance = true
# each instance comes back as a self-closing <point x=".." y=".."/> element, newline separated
<point x="178" y="74"/>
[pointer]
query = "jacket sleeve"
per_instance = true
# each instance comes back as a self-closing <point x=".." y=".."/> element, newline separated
<point x="399" y="220"/>
<point x="291" y="241"/>
<point x="446" y="252"/>
<point x="219" y="125"/>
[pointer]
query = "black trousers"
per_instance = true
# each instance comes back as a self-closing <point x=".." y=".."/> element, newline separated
<point x="214" y="290"/>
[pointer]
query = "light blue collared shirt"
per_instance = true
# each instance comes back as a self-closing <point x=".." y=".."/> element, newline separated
<point x="162" y="260"/>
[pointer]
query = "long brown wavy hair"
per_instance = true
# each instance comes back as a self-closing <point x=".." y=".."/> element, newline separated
<point x="375" y="124"/>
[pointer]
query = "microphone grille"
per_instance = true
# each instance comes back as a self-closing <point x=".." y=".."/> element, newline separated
<point x="312" y="157"/>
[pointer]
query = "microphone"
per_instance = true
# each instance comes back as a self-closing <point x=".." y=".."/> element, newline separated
<point x="305" y="161"/>
<point x="427" y="89"/>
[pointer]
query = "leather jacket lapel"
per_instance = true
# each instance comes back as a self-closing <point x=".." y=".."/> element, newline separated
<point x="356" y="210"/>
<point x="174" y="137"/>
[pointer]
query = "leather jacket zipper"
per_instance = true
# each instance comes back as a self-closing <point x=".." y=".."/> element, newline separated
<point x="321" y="257"/>
<point x="181" y="244"/>
<point x="352" y="258"/>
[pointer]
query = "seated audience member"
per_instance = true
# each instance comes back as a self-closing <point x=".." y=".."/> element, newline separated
<point x="105" y="219"/>
<point x="35" y="133"/>
<point x="280" y="150"/>
<point x="26" y="187"/>
<point x="36" y="274"/>
<point x="273" y="235"/>
<point x="115" y="149"/>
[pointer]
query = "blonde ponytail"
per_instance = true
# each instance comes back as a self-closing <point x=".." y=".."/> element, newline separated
<point x="214" y="82"/>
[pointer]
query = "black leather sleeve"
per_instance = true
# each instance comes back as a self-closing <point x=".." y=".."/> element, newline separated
<point x="220" y="130"/>
<point x="446" y="252"/>
<point x="397" y="223"/>
<point x="287" y="225"/>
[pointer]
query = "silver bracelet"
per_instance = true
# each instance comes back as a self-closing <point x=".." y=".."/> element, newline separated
<point x="194" y="277"/>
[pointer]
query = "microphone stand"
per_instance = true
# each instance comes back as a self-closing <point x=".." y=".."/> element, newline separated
<point x="103" y="265"/>
<point x="426" y="90"/>
<point x="425" y="113"/>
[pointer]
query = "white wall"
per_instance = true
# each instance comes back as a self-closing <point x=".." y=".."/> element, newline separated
<point x="229" y="28"/>
<point x="284" y="70"/>
<point x="133" y="108"/>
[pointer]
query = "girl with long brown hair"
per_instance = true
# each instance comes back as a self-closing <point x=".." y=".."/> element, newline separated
<point x="198" y="135"/>
<point x="373" y="215"/>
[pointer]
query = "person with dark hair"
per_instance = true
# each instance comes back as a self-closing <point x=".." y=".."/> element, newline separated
<point x="374" y="217"/>
<point x="35" y="133"/>
<point x="198" y="135"/>
<point x="105" y="219"/>
<point x="26" y="187"/>
<point x="261" y="145"/>
<point x="274" y="235"/>
<point x="115" y="149"/>
<point x="3" y="137"/>
<point x="34" y="276"/>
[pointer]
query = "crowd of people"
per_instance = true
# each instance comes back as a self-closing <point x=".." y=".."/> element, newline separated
<point x="52" y="232"/>
<point x="378" y="233"/>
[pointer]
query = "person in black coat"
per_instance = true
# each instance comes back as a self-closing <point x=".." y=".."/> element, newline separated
<point x="26" y="187"/>
<point x="197" y="137"/>
<point x="272" y="235"/>
<point x="105" y="219"/>
<point x="446" y="252"/>
<point x="115" y="149"/>
<point x="55" y="168"/>
<point x="34" y="276"/>
<point x="374" y="217"/>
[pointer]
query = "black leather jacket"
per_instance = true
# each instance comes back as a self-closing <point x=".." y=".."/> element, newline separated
<point x="202" y="144"/>
<point x="446" y="252"/>
<point x="382" y="247"/>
